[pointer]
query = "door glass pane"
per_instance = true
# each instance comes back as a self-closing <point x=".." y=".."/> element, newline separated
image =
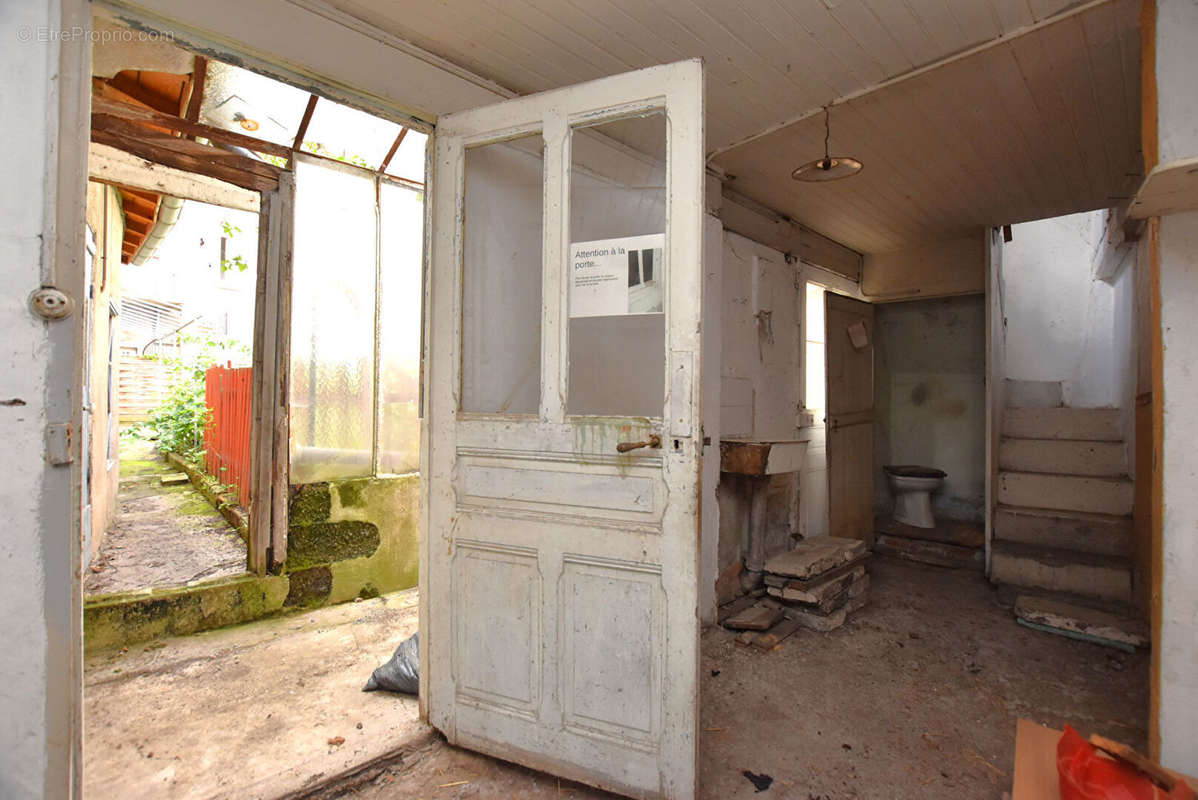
<point x="501" y="281"/>
<point x="332" y="323"/>
<point x="617" y="268"/>
<point x="401" y="217"/>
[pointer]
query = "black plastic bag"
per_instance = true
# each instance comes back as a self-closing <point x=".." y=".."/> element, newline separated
<point x="401" y="673"/>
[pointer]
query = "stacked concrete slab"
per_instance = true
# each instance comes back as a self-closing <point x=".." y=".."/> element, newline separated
<point x="820" y="582"/>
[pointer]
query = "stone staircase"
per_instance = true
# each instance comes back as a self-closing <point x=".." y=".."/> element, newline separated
<point x="1063" y="522"/>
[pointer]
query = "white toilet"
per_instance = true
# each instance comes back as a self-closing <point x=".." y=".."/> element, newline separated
<point x="913" y="487"/>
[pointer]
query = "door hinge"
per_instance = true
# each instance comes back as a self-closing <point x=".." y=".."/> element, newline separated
<point x="58" y="444"/>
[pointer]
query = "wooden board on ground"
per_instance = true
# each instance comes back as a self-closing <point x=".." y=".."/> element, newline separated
<point x="1066" y="617"/>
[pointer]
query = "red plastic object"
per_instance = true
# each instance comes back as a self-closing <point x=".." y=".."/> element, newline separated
<point x="1087" y="775"/>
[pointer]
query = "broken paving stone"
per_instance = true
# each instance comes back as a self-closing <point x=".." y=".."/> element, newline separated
<point x="758" y="618"/>
<point x="175" y="479"/>
<point x="815" y="556"/>
<point x="760" y="782"/>
<point x="818" y="592"/>
<point x="818" y="622"/>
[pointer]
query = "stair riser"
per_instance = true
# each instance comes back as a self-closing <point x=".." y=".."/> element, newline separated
<point x="1088" y="424"/>
<point x="1107" y="583"/>
<point x="1064" y="533"/>
<point x="1065" y="493"/>
<point x="1063" y="457"/>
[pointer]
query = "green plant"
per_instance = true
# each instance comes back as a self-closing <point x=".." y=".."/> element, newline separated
<point x="179" y="422"/>
<point x="230" y="230"/>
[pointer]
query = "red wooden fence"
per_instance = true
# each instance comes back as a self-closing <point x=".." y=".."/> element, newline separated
<point x="227" y="437"/>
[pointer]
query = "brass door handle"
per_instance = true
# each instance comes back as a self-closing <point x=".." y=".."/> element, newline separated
<point x="624" y="447"/>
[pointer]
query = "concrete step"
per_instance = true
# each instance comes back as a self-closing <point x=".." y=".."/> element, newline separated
<point x="1087" y="424"/>
<point x="1063" y="457"/>
<point x="1101" y="534"/>
<point x="1066" y="492"/>
<point x="1086" y="574"/>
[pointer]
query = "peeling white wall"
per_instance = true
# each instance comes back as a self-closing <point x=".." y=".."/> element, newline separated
<point x="1177" y="102"/>
<point x="1061" y="320"/>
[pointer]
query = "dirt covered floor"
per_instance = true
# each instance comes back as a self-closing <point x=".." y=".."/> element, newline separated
<point x="162" y="536"/>
<point x="251" y="712"/>
<point x="915" y="697"/>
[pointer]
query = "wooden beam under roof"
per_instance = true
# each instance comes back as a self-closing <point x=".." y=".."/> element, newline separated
<point x="184" y="154"/>
<point x="105" y="107"/>
<point x="131" y="173"/>
<point x="394" y="148"/>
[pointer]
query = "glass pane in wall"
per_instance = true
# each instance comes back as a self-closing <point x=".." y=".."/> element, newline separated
<point x="408" y="161"/>
<point x="332" y="323"/>
<point x="401" y="216"/>
<point x="501" y="291"/>
<point x="617" y="268"/>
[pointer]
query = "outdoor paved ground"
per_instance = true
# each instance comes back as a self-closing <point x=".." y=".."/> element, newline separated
<point x="162" y="536"/>
<point x="915" y="697"/>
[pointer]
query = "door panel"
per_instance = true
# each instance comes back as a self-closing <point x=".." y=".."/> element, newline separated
<point x="850" y="381"/>
<point x="559" y="586"/>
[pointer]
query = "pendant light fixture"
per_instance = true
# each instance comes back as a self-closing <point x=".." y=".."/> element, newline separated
<point x="828" y="168"/>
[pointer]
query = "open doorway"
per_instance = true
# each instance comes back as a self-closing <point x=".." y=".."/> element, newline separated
<point x="176" y="319"/>
<point x="261" y="250"/>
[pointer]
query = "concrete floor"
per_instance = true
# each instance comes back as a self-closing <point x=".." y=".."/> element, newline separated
<point x="162" y="536"/>
<point x="915" y="697"/>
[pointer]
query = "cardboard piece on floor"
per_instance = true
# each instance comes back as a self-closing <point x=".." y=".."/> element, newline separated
<point x="1036" y="776"/>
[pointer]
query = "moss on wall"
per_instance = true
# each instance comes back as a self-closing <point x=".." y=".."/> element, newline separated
<point x="326" y="542"/>
<point x="120" y="619"/>
<point x="346" y="540"/>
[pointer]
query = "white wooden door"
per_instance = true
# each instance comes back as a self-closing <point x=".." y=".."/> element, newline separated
<point x="558" y="574"/>
<point x="850" y="378"/>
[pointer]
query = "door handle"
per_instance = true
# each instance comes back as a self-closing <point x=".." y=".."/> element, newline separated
<point x="653" y="441"/>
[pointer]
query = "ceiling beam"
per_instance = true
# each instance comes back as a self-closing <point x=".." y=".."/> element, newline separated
<point x="105" y="107"/>
<point x="199" y="77"/>
<point x="302" y="130"/>
<point x="184" y="154"/>
<point x="394" y="148"/>
<point x="128" y="172"/>
<point x="749" y="218"/>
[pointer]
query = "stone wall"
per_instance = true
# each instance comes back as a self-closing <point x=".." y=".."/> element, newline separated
<point x="346" y="539"/>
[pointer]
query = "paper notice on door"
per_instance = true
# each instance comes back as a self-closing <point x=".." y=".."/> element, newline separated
<point x="615" y="277"/>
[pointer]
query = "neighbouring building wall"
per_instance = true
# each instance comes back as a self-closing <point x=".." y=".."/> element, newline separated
<point x="1061" y="320"/>
<point x="930" y="398"/>
<point x="106" y="220"/>
<point x="1178" y="637"/>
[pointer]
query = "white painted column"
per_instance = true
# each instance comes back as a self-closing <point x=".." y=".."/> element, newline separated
<point x="1178" y="639"/>
<point x="43" y="115"/>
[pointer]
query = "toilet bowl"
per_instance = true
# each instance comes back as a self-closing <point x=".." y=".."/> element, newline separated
<point x="913" y="487"/>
